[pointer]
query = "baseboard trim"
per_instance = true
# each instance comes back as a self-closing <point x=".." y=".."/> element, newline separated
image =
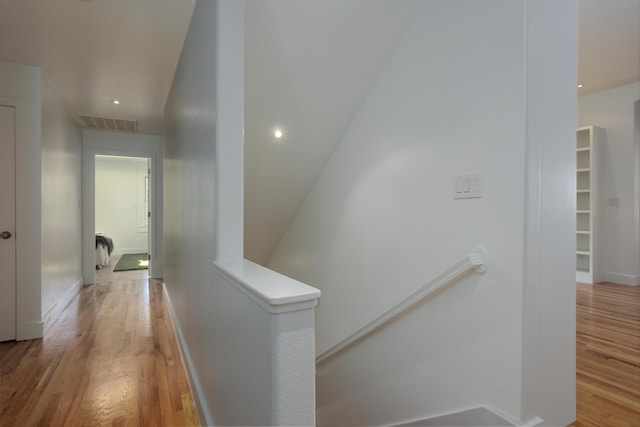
<point x="30" y="330"/>
<point x="157" y="266"/>
<point x="192" y="378"/>
<point x="471" y="417"/>
<point x="622" y="279"/>
<point x="129" y="251"/>
<point x="56" y="310"/>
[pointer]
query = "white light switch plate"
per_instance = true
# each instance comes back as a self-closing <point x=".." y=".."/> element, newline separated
<point x="467" y="186"/>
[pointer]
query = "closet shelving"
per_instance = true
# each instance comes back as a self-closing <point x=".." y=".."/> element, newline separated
<point x="588" y="140"/>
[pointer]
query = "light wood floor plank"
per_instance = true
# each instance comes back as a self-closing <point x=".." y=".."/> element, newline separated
<point x="111" y="359"/>
<point x="607" y="355"/>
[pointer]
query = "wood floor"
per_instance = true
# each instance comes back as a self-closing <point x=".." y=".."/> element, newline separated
<point x="608" y="355"/>
<point x="110" y="359"/>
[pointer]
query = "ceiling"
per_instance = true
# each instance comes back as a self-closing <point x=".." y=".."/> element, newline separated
<point x="308" y="66"/>
<point x="95" y="51"/>
<point x="608" y="44"/>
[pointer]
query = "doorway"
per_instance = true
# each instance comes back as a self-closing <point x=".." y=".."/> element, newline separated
<point x="122" y="204"/>
<point x="121" y="144"/>
<point x="7" y="223"/>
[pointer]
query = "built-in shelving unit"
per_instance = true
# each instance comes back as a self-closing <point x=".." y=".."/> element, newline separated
<point x="587" y="142"/>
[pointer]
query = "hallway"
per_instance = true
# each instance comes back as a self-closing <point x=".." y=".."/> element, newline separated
<point x="111" y="357"/>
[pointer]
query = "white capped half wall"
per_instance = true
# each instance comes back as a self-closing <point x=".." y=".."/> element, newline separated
<point x="465" y="93"/>
<point x="247" y="332"/>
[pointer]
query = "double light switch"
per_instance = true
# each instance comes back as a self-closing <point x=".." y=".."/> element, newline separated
<point x="467" y="186"/>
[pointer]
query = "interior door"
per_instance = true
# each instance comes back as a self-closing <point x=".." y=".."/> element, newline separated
<point x="147" y="202"/>
<point x="7" y="223"/>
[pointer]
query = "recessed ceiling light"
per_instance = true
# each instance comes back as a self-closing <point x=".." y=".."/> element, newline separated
<point x="115" y="101"/>
<point x="580" y="85"/>
<point x="277" y="133"/>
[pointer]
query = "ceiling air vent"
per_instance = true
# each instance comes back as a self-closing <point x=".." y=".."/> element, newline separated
<point x="110" y="124"/>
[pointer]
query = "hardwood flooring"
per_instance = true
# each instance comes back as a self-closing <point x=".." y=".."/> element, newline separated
<point x="110" y="359"/>
<point x="608" y="355"/>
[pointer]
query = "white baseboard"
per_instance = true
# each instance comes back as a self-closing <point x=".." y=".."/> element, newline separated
<point x="54" y="312"/>
<point x="204" y="415"/>
<point x="156" y="268"/>
<point x="471" y="417"/>
<point x="623" y="279"/>
<point x="130" y="251"/>
<point x="30" y="330"/>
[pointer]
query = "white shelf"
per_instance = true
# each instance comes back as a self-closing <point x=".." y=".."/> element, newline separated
<point x="588" y="140"/>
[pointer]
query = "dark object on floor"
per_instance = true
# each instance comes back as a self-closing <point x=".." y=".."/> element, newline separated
<point x="132" y="262"/>
<point x="105" y="240"/>
<point x="104" y="247"/>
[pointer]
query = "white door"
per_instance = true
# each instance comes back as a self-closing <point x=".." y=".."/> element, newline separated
<point x="7" y="223"/>
<point x="147" y="203"/>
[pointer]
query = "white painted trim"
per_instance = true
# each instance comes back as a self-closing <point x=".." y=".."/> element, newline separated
<point x="476" y="260"/>
<point x="636" y="191"/>
<point x="204" y="414"/>
<point x="229" y="137"/>
<point x="622" y="279"/>
<point x="129" y="251"/>
<point x="549" y="90"/>
<point x="584" y="277"/>
<point x="471" y="417"/>
<point x="56" y="310"/>
<point x="514" y="421"/>
<point x="274" y="292"/>
<point x="119" y="148"/>
<point x="532" y="227"/>
<point x="535" y="421"/>
<point x="30" y="330"/>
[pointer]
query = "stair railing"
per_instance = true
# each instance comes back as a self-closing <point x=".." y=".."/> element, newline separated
<point x="476" y="260"/>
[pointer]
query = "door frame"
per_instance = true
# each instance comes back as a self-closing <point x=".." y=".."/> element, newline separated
<point x="29" y="323"/>
<point x="120" y="144"/>
<point x="8" y="279"/>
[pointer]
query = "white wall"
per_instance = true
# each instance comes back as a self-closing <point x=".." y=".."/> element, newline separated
<point x="614" y="110"/>
<point x="47" y="198"/>
<point x="120" y="208"/>
<point x="61" y="202"/>
<point x="250" y="358"/>
<point x="381" y="221"/>
<point x="190" y="215"/>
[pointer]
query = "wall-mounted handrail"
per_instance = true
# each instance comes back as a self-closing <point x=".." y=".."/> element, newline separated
<point x="475" y="260"/>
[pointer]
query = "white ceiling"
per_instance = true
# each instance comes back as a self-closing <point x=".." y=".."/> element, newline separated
<point x="309" y="65"/>
<point x="98" y="50"/>
<point x="608" y="44"/>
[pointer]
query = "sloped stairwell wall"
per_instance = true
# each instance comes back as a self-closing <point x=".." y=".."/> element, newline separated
<point x="381" y="221"/>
